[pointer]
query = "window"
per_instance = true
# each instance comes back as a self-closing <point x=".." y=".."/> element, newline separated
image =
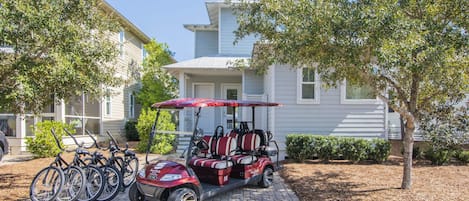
<point x="107" y="100"/>
<point x="131" y="105"/>
<point x="144" y="52"/>
<point x="357" y="94"/>
<point x="308" y="86"/>
<point x="121" y="43"/>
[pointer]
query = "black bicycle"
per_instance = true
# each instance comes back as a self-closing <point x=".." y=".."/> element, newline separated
<point x="112" y="175"/>
<point x="59" y="181"/>
<point x="94" y="175"/>
<point x="129" y="164"/>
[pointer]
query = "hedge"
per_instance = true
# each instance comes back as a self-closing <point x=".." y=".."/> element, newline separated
<point x="302" y="146"/>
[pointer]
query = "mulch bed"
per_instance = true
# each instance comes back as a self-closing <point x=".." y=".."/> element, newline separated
<point x="341" y="180"/>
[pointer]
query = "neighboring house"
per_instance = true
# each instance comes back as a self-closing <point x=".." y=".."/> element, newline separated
<point x="97" y="116"/>
<point x="307" y="107"/>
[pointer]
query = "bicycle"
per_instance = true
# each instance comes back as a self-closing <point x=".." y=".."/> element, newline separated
<point x="94" y="175"/>
<point x="129" y="165"/>
<point x="62" y="181"/>
<point x="113" y="176"/>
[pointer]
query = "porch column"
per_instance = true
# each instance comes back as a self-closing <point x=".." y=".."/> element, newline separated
<point x="21" y="130"/>
<point x="60" y="111"/>
<point x="182" y="94"/>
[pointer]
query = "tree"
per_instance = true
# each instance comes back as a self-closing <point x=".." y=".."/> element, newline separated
<point x="158" y="85"/>
<point x="56" y="49"/>
<point x="414" y="50"/>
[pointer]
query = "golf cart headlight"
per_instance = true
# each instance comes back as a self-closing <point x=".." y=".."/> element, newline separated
<point x="141" y="173"/>
<point x="170" y="177"/>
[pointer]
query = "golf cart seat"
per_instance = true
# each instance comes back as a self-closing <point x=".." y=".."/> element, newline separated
<point x="248" y="144"/>
<point x="215" y="169"/>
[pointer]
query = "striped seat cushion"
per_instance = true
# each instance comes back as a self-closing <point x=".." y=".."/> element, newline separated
<point x="250" y="142"/>
<point x="209" y="140"/>
<point x="243" y="159"/>
<point x="225" y="146"/>
<point x="211" y="163"/>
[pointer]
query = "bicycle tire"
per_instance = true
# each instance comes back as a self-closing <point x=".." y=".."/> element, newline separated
<point x="75" y="183"/>
<point x="113" y="183"/>
<point x="129" y="172"/>
<point x="94" y="183"/>
<point x="55" y="180"/>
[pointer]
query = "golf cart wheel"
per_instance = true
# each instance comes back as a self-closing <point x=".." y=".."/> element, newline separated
<point x="183" y="194"/>
<point x="134" y="193"/>
<point x="267" y="178"/>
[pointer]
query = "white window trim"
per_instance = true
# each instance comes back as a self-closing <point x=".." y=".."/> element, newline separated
<point x="299" y="82"/>
<point x="144" y="52"/>
<point x="106" y="114"/>
<point x="131" y="105"/>
<point x="345" y="101"/>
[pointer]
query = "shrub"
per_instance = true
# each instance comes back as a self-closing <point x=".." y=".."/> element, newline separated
<point x="379" y="150"/>
<point x="327" y="148"/>
<point x="355" y="149"/>
<point x="162" y="143"/>
<point x="463" y="156"/>
<point x="43" y="144"/>
<point x="131" y="132"/>
<point x="300" y="147"/>
<point x="438" y="156"/>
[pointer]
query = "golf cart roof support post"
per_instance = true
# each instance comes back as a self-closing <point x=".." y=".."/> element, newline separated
<point x="189" y="149"/>
<point x="253" y="118"/>
<point x="152" y="135"/>
<point x="234" y="117"/>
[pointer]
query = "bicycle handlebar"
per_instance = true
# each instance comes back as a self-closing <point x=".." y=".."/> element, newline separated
<point x="113" y="140"/>
<point x="74" y="139"/>
<point x="56" y="139"/>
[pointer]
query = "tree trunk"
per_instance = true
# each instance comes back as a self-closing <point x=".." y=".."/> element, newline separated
<point x="408" y="146"/>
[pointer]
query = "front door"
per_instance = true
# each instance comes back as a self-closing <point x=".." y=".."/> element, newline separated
<point x="207" y="115"/>
<point x="230" y="92"/>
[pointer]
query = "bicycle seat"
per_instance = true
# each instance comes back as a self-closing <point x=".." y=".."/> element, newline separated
<point x="129" y="153"/>
<point x="82" y="152"/>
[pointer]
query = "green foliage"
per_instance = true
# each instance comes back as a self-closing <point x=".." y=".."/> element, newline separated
<point x="131" y="132"/>
<point x="162" y="143"/>
<point x="302" y="147"/>
<point x="327" y="148"/>
<point x="446" y="127"/>
<point x="355" y="150"/>
<point x="43" y="144"/>
<point x="58" y="48"/>
<point x="379" y="150"/>
<point x="462" y="156"/>
<point x="158" y="85"/>
<point x="438" y="156"/>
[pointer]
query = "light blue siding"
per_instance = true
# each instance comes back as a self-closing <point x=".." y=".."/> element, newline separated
<point x="330" y="117"/>
<point x="253" y="83"/>
<point x="206" y="43"/>
<point x="228" y="24"/>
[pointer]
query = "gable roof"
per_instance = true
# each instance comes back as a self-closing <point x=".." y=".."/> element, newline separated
<point x="125" y="22"/>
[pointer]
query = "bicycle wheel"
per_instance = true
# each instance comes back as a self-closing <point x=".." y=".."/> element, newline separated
<point x="47" y="184"/>
<point x="129" y="172"/>
<point x="94" y="183"/>
<point x="113" y="183"/>
<point x="74" y="186"/>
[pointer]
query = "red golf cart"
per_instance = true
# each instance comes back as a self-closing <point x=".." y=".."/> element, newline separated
<point x="213" y="164"/>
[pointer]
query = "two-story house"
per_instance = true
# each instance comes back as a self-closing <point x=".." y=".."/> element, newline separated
<point x="307" y="107"/>
<point x="109" y="113"/>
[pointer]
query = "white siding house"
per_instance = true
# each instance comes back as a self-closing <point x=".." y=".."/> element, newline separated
<point x="307" y="107"/>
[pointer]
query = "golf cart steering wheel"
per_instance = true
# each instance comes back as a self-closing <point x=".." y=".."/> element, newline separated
<point x="219" y="134"/>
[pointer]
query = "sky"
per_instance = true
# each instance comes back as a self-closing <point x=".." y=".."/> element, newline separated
<point x="163" y="20"/>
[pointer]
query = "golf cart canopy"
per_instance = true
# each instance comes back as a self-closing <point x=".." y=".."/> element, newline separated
<point x="207" y="102"/>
